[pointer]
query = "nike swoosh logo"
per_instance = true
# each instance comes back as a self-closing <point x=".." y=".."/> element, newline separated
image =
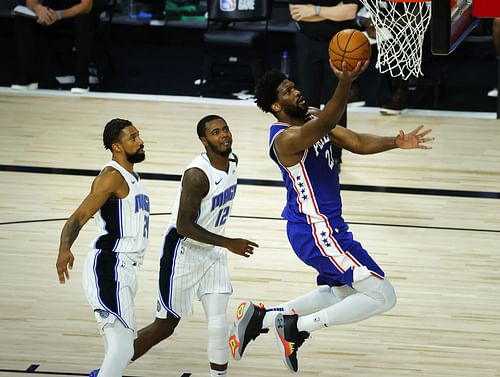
<point x="133" y="182"/>
<point x="217" y="182"/>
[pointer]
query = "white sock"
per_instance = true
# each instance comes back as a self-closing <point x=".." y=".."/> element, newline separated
<point x="271" y="314"/>
<point x="313" y="322"/>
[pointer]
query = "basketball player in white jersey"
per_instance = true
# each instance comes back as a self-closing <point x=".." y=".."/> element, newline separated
<point x="351" y="285"/>
<point x="194" y="258"/>
<point x="120" y="204"/>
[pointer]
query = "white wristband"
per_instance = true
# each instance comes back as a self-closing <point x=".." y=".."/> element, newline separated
<point x="58" y="14"/>
<point x="317" y="10"/>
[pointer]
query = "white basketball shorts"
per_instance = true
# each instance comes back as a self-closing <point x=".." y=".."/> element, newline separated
<point x="187" y="271"/>
<point x="110" y="285"/>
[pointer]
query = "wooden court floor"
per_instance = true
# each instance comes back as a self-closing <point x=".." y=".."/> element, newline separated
<point x="431" y="219"/>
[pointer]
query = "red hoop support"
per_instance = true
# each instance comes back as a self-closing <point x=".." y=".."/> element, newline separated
<point x="486" y="8"/>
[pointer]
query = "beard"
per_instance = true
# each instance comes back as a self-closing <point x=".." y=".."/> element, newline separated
<point x="296" y="111"/>
<point x="226" y="152"/>
<point x="221" y="152"/>
<point x="136" y="157"/>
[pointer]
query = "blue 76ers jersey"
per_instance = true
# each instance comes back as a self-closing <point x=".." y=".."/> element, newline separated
<point x="312" y="185"/>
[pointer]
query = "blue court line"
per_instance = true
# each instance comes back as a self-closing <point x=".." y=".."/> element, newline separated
<point x="265" y="182"/>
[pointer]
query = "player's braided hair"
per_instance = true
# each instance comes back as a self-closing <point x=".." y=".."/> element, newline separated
<point x="113" y="130"/>
<point x="266" y="90"/>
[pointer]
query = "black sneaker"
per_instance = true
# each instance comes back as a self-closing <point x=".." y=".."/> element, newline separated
<point x="247" y="327"/>
<point x="289" y="339"/>
<point x="397" y="104"/>
<point x="81" y="86"/>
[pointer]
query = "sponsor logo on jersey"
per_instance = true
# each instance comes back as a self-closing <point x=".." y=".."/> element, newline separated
<point x="103" y="313"/>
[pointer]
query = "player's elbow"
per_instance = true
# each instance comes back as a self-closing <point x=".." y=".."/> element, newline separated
<point x="86" y="7"/>
<point x="350" y="11"/>
<point x="182" y="227"/>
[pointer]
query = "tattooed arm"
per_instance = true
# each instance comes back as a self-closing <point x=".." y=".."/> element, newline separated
<point x="106" y="185"/>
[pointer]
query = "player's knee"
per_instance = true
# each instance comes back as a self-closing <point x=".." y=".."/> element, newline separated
<point x="381" y="290"/>
<point x="389" y="294"/>
<point x="218" y="350"/>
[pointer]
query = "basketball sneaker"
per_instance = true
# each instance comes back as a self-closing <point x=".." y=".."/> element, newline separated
<point x="289" y="339"/>
<point x="397" y="103"/>
<point x="78" y="90"/>
<point x="247" y="327"/>
<point x="355" y="98"/>
<point x="94" y="373"/>
<point x="25" y="86"/>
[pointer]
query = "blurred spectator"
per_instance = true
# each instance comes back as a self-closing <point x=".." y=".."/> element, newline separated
<point x="399" y="97"/>
<point x="495" y="32"/>
<point x="398" y="87"/>
<point x="33" y="35"/>
<point x="318" y="21"/>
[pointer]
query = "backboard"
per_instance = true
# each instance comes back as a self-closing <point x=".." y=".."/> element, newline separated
<point x="451" y="22"/>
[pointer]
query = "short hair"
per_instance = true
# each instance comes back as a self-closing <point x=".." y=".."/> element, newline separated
<point x="266" y="90"/>
<point x="200" y="128"/>
<point x="112" y="131"/>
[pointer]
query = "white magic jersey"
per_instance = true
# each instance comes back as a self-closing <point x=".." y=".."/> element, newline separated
<point x="215" y="207"/>
<point x="189" y="268"/>
<point x="123" y="224"/>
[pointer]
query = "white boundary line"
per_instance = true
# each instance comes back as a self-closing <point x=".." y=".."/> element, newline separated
<point x="228" y="102"/>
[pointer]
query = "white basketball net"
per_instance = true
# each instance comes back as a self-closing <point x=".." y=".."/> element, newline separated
<point x="400" y="29"/>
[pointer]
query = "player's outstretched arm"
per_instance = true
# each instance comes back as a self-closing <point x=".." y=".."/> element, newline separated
<point x="369" y="144"/>
<point x="195" y="187"/>
<point x="104" y="186"/>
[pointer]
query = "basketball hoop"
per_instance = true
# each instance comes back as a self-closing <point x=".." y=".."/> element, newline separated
<point x="400" y="26"/>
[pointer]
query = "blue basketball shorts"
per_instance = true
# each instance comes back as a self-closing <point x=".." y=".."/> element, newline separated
<point x="331" y="251"/>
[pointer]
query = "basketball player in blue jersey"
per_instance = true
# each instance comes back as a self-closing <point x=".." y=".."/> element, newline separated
<point x="120" y="204"/>
<point x="351" y="286"/>
<point x="194" y="258"/>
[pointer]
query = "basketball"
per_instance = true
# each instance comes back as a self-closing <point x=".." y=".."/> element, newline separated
<point x="351" y="46"/>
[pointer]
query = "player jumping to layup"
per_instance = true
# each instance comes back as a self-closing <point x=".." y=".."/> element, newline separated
<point x="351" y="286"/>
